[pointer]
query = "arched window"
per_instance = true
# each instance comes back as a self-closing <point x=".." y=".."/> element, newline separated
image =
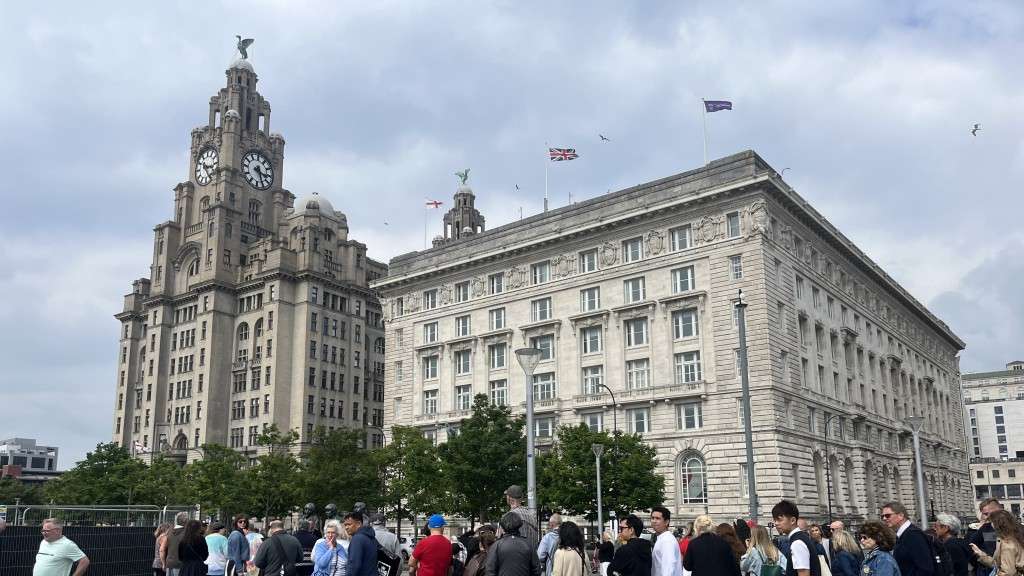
<point x="258" y="328"/>
<point x="204" y="203"/>
<point x="851" y="487"/>
<point x="243" y="332"/>
<point x="193" y="267"/>
<point x="693" y="482"/>
<point x="870" y="485"/>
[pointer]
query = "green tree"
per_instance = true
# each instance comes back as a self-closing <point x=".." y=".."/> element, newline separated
<point x="413" y="476"/>
<point x="107" y="475"/>
<point x="13" y="490"/>
<point x="273" y="482"/>
<point x="485" y="457"/>
<point x="161" y="483"/>
<point x="568" y="474"/>
<point x="217" y="482"/>
<point x="338" y="469"/>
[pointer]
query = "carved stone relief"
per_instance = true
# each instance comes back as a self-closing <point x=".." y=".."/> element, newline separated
<point x="479" y="286"/>
<point x="759" y="221"/>
<point x="609" y="254"/>
<point x="708" y="229"/>
<point x="516" y="277"/>
<point x="412" y="302"/>
<point x="786" y="237"/>
<point x="655" y="242"/>
<point x="563" y="265"/>
<point x="444" y="295"/>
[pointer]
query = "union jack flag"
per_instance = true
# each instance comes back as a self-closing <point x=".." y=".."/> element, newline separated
<point x="562" y="154"/>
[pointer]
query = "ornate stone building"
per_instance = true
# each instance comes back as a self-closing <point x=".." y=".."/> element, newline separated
<point x="634" y="291"/>
<point x="257" y="310"/>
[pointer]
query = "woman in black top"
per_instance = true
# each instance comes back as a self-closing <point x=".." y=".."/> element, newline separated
<point x="605" y="553"/>
<point x="192" y="550"/>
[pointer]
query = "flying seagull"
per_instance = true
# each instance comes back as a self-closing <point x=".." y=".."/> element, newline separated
<point x="976" y="129"/>
<point x="242" y="45"/>
<point x="517" y="186"/>
<point x="604" y="138"/>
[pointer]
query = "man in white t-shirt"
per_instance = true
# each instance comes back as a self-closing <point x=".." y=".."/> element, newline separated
<point x="57" y="553"/>
<point x="665" y="560"/>
<point x="786" y="515"/>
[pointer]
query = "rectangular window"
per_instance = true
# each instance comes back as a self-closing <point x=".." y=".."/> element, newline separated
<point x="430" y="333"/>
<point x="463" y="397"/>
<point x="684" y="323"/>
<point x="634" y="290"/>
<point x="499" y="392"/>
<point x="496" y="318"/>
<point x="591" y="339"/>
<point x="638" y="374"/>
<point x="590" y="299"/>
<point x="462" y="362"/>
<point x="541" y="309"/>
<point x="594" y="421"/>
<point x="687" y="367"/>
<point x="540" y="272"/>
<point x="546" y="345"/>
<point x="462" y="327"/>
<point x="429" y="402"/>
<point x="593" y="378"/>
<point x="688" y="416"/>
<point x="588" y="261"/>
<point x="682" y="280"/>
<point x="430" y="299"/>
<point x="799" y="287"/>
<point x="680" y="238"/>
<point x="430" y="367"/>
<point x="543" y="427"/>
<point x="636" y="332"/>
<point x="544" y="386"/>
<point x="496" y="283"/>
<point x="496" y="356"/>
<point x="735" y="267"/>
<point x="632" y="249"/>
<point x="462" y="291"/>
<point x="639" y="420"/>
<point x="732" y="224"/>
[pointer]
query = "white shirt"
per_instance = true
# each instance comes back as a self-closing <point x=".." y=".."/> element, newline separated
<point x="903" y="528"/>
<point x="666" y="560"/>
<point x="798" y="553"/>
<point x="55" y="558"/>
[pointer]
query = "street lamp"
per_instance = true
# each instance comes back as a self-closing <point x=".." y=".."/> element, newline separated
<point x="916" y="422"/>
<point x="828" y="465"/>
<point x="748" y="434"/>
<point x="615" y="413"/>
<point x="598" y="450"/>
<point x="528" y="360"/>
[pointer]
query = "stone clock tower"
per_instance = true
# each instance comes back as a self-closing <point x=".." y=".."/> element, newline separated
<point x="256" y="311"/>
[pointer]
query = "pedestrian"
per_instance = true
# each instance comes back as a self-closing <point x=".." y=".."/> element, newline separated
<point x="513" y="554"/>
<point x="279" y="553"/>
<point x="835" y="527"/>
<point x="947" y="530"/>
<point x="665" y="558"/>
<point x="238" y="546"/>
<point x="570" y="557"/>
<point x="476" y="566"/>
<point x="160" y="535"/>
<point x="254" y="538"/>
<point x="877" y="540"/>
<point x="432" y="555"/>
<point x="727" y="532"/>
<point x="549" y="543"/>
<point x="192" y="550"/>
<point x="1008" y="558"/>
<point x="819" y="540"/>
<point x="846" y="558"/>
<point x="761" y="552"/>
<point x="912" y="551"/>
<point x="362" y="551"/>
<point x="684" y="534"/>
<point x="801" y="559"/>
<point x="169" y="551"/>
<point x="514" y="497"/>
<point x="708" y="554"/>
<point x="217" y="550"/>
<point x="386" y="538"/>
<point x="605" y="553"/>
<point x="57" y="553"/>
<point x="330" y="553"/>
<point x="985" y="536"/>
<point x="305" y="535"/>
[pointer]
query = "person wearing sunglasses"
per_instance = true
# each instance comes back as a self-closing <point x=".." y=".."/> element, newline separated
<point x="238" y="546"/>
<point x="912" y="551"/>
<point x="633" y="558"/>
<point x="877" y="540"/>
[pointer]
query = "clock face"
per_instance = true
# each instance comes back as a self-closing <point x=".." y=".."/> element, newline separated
<point x="258" y="170"/>
<point x="206" y="163"/>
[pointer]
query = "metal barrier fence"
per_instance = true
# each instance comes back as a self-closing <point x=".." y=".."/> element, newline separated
<point x="112" y="550"/>
<point x="138" y="515"/>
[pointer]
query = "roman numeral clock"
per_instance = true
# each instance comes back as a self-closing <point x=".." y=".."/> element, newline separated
<point x="258" y="170"/>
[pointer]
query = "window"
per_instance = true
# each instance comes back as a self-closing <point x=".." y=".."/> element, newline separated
<point x="590" y="299"/>
<point x="637" y="373"/>
<point x="540" y="272"/>
<point x="591" y="339"/>
<point x="812" y="420"/>
<point x="462" y="327"/>
<point x="462" y="291"/>
<point x="496" y="318"/>
<point x="684" y="323"/>
<point x="462" y="362"/>
<point x="496" y="283"/>
<point x="430" y="333"/>
<point x="430" y="401"/>
<point x="463" y="397"/>
<point x="634" y="290"/>
<point x="496" y="355"/>
<point x="636" y="332"/>
<point x="682" y="280"/>
<point x="692" y="479"/>
<point x="544" y="386"/>
<point x="687" y="367"/>
<point x="799" y="287"/>
<point x="732" y="224"/>
<point x="499" y="392"/>
<point x="688" y="416"/>
<point x="541" y="309"/>
<point x="430" y="299"/>
<point x="639" y="420"/>
<point x="430" y="367"/>
<point x="588" y="261"/>
<point x="543" y="427"/>
<point x="680" y="238"/>
<point x="632" y="249"/>
<point x="594" y="421"/>
<point x="546" y="344"/>
<point x="735" y="267"/>
<point x="593" y="378"/>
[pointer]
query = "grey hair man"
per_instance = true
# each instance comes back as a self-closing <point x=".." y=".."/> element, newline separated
<point x="549" y="543"/>
<point x="947" y="530"/>
<point x="386" y="538"/>
<point x="279" y="553"/>
<point x="169" y="548"/>
<point x="57" y="553"/>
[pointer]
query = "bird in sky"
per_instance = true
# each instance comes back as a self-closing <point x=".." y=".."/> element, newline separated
<point x="976" y="129"/>
<point x="517" y="186"/>
<point x="604" y="138"/>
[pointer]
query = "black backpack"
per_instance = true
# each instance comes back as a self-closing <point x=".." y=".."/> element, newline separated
<point x="941" y="559"/>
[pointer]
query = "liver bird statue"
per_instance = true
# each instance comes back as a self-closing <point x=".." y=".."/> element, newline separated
<point x="463" y="176"/>
<point x="242" y="45"/>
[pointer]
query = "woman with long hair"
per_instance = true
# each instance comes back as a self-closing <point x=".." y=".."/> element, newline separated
<point x="605" y="553"/>
<point x="192" y="550"/>
<point x="877" y="541"/>
<point x="160" y="534"/>
<point x="1009" y="544"/>
<point x="330" y="553"/>
<point x="570" y="556"/>
<point x="727" y="532"/>
<point x="761" y="551"/>
<point x="485" y="538"/>
<point x="845" y="554"/>
<point x="708" y="554"/>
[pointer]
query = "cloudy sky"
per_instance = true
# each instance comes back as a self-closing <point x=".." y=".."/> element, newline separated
<point x="867" y="103"/>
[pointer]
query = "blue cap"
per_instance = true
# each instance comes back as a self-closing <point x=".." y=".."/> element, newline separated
<point x="436" y="521"/>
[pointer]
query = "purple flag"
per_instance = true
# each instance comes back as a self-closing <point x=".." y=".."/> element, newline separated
<point x="716" y="105"/>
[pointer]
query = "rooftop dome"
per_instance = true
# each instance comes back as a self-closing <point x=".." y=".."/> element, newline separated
<point x="243" y="64"/>
<point x="314" y="203"/>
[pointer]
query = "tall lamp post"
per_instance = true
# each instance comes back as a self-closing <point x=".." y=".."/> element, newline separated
<point x="916" y="422"/>
<point x="748" y="434"/>
<point x="598" y="450"/>
<point x="615" y="412"/>
<point x="528" y="360"/>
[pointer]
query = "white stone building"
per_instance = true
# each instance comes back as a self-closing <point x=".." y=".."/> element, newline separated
<point x="257" y="309"/>
<point x="634" y="290"/>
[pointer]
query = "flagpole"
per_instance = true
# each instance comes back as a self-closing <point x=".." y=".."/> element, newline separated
<point x="547" y="160"/>
<point x="425" y="212"/>
<point x="704" y="114"/>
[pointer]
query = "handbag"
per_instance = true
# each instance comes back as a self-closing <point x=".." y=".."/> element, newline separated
<point x="768" y="567"/>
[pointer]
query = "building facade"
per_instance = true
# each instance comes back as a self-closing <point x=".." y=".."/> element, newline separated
<point x="257" y="309"/>
<point x="994" y="411"/>
<point x="633" y="292"/>
<point x="27" y="460"/>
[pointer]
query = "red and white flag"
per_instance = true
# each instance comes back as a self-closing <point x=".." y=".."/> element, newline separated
<point x="562" y="154"/>
<point x="434" y="203"/>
